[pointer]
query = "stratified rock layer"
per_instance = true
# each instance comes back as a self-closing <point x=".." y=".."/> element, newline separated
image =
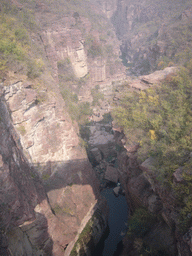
<point x="44" y="214"/>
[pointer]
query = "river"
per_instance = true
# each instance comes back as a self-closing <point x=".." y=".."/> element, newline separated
<point x="117" y="224"/>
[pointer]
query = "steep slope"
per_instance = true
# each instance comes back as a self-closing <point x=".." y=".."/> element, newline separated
<point x="49" y="190"/>
<point x="154" y="34"/>
<point x="155" y="162"/>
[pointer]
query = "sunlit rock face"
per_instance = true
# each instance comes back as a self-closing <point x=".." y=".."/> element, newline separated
<point x="86" y="41"/>
<point x="47" y="133"/>
<point x="49" y="187"/>
<point x="107" y="6"/>
<point x="65" y="43"/>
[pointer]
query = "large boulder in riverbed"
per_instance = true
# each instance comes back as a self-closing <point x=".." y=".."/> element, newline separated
<point x="117" y="190"/>
<point x="111" y="174"/>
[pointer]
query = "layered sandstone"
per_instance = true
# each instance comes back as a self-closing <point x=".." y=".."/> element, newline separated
<point x="41" y="141"/>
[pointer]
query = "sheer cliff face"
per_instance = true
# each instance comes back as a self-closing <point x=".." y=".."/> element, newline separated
<point x="151" y="33"/>
<point x="85" y="41"/>
<point x="41" y="214"/>
<point x="47" y="133"/>
<point x="154" y="34"/>
<point x="48" y="186"/>
<point x="16" y="206"/>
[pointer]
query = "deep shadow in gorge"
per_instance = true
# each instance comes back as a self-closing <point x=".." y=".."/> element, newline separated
<point x="40" y="208"/>
<point x="117" y="223"/>
<point x="104" y="161"/>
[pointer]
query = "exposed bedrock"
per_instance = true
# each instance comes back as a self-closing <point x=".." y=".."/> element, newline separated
<point x="48" y="186"/>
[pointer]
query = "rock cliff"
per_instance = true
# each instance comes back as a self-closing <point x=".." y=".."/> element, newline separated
<point x="50" y="196"/>
<point x="153" y="34"/>
<point x="47" y="171"/>
<point x="82" y="47"/>
<point x="49" y="192"/>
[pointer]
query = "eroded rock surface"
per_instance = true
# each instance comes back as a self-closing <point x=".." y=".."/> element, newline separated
<point x="42" y="215"/>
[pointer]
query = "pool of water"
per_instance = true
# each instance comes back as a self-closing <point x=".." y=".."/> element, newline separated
<point x="118" y="214"/>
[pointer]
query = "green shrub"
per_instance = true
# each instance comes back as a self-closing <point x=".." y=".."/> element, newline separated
<point x="94" y="48"/>
<point x="21" y="35"/>
<point x="22" y="129"/>
<point x="160" y="119"/>
<point x="140" y="223"/>
<point x="84" y="238"/>
<point x="85" y="132"/>
<point x="14" y="39"/>
<point x="34" y="68"/>
<point x="107" y="118"/>
<point x="78" y="111"/>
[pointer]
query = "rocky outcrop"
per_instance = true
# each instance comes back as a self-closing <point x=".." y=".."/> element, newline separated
<point x="80" y="49"/>
<point x="48" y="185"/>
<point x="46" y="130"/>
<point x="107" y="6"/>
<point x="62" y="43"/>
<point x="153" y="79"/>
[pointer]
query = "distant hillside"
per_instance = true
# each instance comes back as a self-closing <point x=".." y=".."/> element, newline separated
<point x="154" y="34"/>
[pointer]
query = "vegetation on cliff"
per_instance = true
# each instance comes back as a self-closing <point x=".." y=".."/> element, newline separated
<point x="160" y="121"/>
<point x="154" y="34"/>
<point x="15" y="42"/>
<point x="142" y="225"/>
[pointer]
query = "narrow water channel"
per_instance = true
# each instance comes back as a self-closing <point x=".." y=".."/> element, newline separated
<point x="117" y="224"/>
<point x="103" y="156"/>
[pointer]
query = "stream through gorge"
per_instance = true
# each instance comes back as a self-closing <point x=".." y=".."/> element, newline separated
<point x="111" y="242"/>
<point x="102" y="153"/>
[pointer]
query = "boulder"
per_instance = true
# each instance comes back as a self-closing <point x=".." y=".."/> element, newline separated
<point x="96" y="154"/>
<point x="116" y="191"/>
<point x="132" y="148"/>
<point x="111" y="174"/>
<point x="155" y="204"/>
<point x="177" y="176"/>
<point x="148" y="165"/>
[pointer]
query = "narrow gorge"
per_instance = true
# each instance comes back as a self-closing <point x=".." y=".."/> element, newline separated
<point x="74" y="179"/>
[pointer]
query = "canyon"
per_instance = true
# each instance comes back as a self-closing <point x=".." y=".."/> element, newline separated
<point x="50" y="200"/>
